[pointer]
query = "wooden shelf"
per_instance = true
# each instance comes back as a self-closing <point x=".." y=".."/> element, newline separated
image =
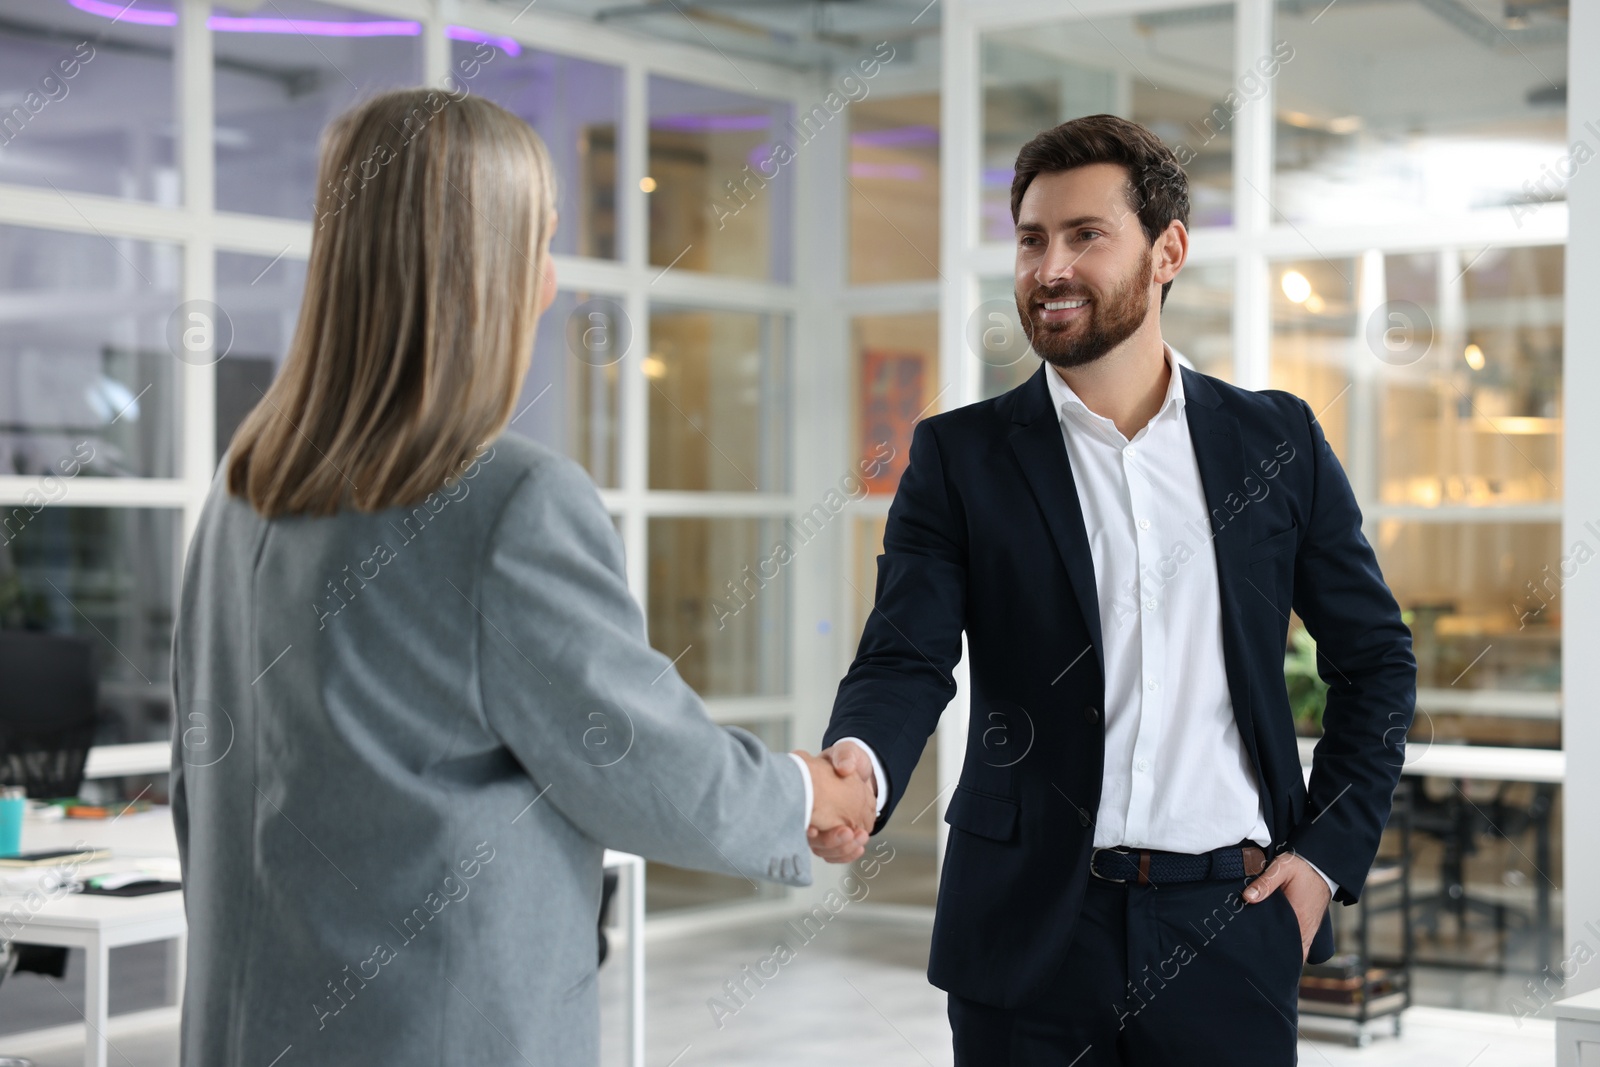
<point x="1387" y="1004"/>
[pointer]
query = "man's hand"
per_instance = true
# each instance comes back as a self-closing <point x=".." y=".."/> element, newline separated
<point x="848" y="757"/>
<point x="844" y="844"/>
<point x="1302" y="887"/>
<point x="842" y="809"/>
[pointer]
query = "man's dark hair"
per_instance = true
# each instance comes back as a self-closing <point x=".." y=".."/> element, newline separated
<point x="1157" y="187"/>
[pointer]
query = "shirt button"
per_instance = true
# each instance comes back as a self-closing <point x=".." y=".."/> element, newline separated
<point x="1144" y="524"/>
<point x="1152" y="683"/>
<point x="1149" y="605"/>
<point x="1129" y="452"/>
<point x="1144" y="765"/>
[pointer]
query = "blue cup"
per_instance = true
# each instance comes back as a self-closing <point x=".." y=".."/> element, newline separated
<point x="13" y="806"/>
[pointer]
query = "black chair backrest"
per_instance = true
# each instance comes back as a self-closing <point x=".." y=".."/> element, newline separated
<point x="48" y="697"/>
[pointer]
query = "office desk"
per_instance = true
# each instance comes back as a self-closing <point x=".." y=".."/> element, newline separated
<point x="631" y="869"/>
<point x="97" y="924"/>
<point x="116" y="761"/>
<point x="1540" y="766"/>
<point x="1501" y="703"/>
<point x="1578" y="1029"/>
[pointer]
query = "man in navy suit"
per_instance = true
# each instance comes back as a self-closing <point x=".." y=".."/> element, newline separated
<point x="1136" y="869"/>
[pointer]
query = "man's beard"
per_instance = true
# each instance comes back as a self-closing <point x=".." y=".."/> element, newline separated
<point x="1111" y="321"/>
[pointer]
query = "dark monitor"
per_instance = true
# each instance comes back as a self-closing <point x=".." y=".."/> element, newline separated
<point x="48" y="697"/>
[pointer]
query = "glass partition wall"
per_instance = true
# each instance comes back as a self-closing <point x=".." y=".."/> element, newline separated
<point x="892" y="184"/>
<point x="1377" y="226"/>
<point x="167" y="172"/>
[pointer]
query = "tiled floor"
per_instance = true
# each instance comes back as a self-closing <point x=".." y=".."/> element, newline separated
<point x="855" y="993"/>
<point x="140" y="1046"/>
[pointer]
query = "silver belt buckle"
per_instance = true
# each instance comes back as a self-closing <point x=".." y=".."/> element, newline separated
<point x="1095" y="852"/>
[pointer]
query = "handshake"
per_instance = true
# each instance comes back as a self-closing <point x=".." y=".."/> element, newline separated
<point x="844" y="802"/>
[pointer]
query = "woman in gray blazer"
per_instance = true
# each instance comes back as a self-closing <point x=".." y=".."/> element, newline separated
<point x="415" y="700"/>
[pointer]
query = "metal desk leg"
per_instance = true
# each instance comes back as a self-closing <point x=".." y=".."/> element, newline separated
<point x="1542" y="856"/>
<point x="97" y="959"/>
<point x="636" y="963"/>
<point x="177" y="964"/>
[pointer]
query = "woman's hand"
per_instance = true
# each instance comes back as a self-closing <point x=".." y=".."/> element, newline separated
<point x="843" y="808"/>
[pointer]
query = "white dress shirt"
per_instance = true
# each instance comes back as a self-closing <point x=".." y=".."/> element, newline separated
<point x="805" y="778"/>
<point x="1177" y="777"/>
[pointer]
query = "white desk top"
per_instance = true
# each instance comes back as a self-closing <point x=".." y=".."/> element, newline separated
<point x="137" y="833"/>
<point x="1503" y="703"/>
<point x="97" y="912"/>
<point x="1584" y="1006"/>
<point x="115" y="761"/>
<point x="1473" y="761"/>
<point x="130" y="838"/>
<point x="146" y="835"/>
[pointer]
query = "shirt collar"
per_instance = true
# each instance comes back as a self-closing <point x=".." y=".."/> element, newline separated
<point x="1068" y="404"/>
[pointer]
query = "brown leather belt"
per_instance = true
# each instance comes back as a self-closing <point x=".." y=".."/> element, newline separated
<point x="1147" y="866"/>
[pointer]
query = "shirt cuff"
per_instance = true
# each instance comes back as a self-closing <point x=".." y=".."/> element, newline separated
<point x="877" y="771"/>
<point x="1333" y="887"/>
<point x="805" y="777"/>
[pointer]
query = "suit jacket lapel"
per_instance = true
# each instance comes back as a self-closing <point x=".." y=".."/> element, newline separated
<point x="1219" y="454"/>
<point x="1039" y="447"/>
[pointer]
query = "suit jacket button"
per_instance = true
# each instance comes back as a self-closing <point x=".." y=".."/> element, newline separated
<point x="1092" y="714"/>
<point x="1083" y="817"/>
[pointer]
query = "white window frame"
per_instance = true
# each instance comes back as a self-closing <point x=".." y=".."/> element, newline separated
<point x="202" y="232"/>
<point x="1256" y="238"/>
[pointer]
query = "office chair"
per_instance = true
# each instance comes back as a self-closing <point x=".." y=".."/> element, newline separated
<point x="1460" y="823"/>
<point x="48" y="697"/>
<point x="8" y="963"/>
<point x="49" y="694"/>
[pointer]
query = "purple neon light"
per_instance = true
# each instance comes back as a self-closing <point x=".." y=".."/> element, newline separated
<point x="897" y="136"/>
<point x="710" y="123"/>
<point x="126" y="13"/>
<point x="313" y="27"/>
<point x="462" y="33"/>
<point x="904" y="171"/>
<point x="307" y="27"/>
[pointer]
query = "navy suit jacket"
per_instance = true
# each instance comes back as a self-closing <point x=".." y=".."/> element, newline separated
<point x="986" y="537"/>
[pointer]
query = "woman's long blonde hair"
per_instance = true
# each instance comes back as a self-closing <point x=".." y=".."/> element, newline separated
<point x="421" y="298"/>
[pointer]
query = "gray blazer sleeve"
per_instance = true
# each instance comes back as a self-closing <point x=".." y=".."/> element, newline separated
<point x="617" y="741"/>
